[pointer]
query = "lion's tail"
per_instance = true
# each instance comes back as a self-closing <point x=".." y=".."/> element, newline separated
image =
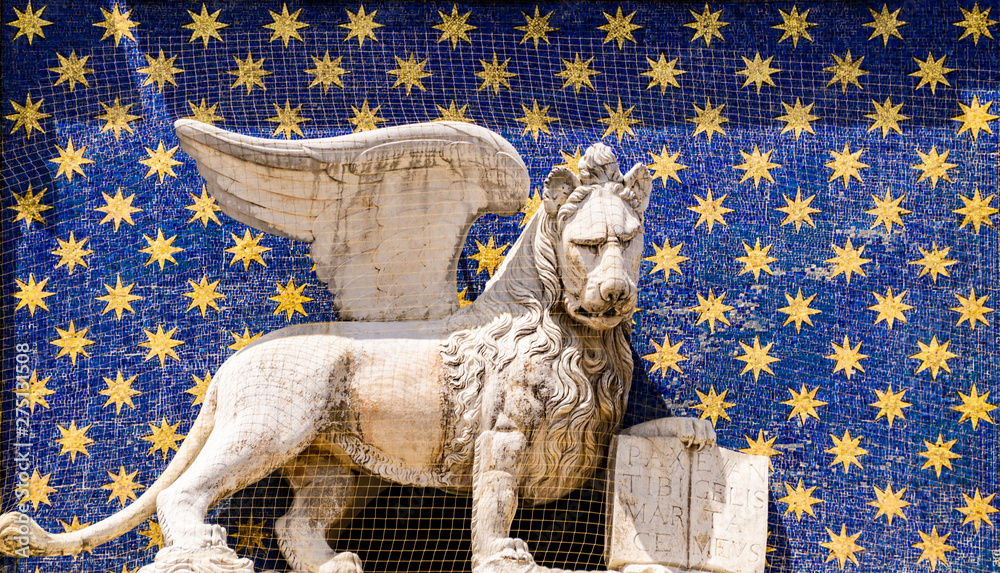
<point x="21" y="536"/>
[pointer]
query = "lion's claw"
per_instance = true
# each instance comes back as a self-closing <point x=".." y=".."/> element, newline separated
<point x="513" y="548"/>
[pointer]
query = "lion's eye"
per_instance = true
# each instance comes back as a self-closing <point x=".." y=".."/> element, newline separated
<point x="626" y="243"/>
<point x="594" y="249"/>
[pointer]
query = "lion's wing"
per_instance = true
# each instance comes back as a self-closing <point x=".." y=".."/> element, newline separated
<point x="386" y="211"/>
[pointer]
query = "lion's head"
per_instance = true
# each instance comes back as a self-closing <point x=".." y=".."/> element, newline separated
<point x="599" y="220"/>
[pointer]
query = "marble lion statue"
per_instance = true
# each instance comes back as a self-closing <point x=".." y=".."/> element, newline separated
<point x="512" y="398"/>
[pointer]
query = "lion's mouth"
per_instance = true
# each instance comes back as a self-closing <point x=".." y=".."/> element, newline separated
<point x="600" y="319"/>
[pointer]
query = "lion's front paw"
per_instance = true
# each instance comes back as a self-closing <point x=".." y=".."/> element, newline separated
<point x="345" y="562"/>
<point x="512" y="548"/>
<point x="508" y="555"/>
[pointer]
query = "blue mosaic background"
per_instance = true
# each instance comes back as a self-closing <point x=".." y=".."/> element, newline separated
<point x="69" y="485"/>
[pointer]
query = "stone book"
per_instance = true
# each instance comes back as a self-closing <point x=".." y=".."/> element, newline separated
<point x="671" y="507"/>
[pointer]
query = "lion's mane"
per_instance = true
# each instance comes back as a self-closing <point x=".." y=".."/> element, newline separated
<point x="524" y="316"/>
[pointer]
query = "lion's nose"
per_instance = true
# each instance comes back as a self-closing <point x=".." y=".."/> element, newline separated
<point x="612" y="290"/>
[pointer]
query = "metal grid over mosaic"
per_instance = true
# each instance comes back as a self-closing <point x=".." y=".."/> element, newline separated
<point x="820" y="275"/>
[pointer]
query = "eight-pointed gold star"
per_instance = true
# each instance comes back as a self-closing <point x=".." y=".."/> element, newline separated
<point x="798" y="310"/>
<point x="711" y="309"/>
<point x="204" y="25"/>
<point x="794" y="25"/>
<point x="70" y="160"/>
<point x="160" y="249"/>
<point x="756" y="260"/>
<point x="489" y="256"/>
<point x="709" y="120"/>
<point x="846" y="164"/>
<point x="536" y="119"/>
<point x="890" y="307"/>
<point x="885" y="24"/>
<point x="29" y="23"/>
<point x="163" y="438"/>
<point x="846" y="451"/>
<point x="804" y="403"/>
<point x="38" y="490"/>
<point x="976" y="23"/>
<point x="31" y="294"/>
<point x="241" y="340"/>
<point x="620" y="28"/>
<point x="72" y="342"/>
<point x="886" y="117"/>
<point x="933" y="547"/>
<point x="848" y="260"/>
<point x="848" y="358"/>
<point x="577" y="73"/>
<point x="662" y="73"/>
<point x="972" y="309"/>
<point x="666" y="357"/>
<point x="161" y="344"/>
<point x="327" y="72"/>
<point x="846" y="71"/>
<point x="713" y="405"/>
<point x="288" y="120"/>
<point x="890" y="404"/>
<point x="122" y="486"/>
<point x="286" y="25"/>
<point x="29" y="206"/>
<point x="933" y="166"/>
<point x="28" y="116"/>
<point x="756" y="358"/>
<point x="290" y="299"/>
<point x="161" y="161"/>
<point x="117" y="118"/>
<point x="73" y="70"/>
<point x="666" y="259"/>
<point x="975" y="118"/>
<point x="72" y="252"/>
<point x="710" y="210"/>
<point x="536" y="28"/>
<point x="453" y="113"/>
<point x="977" y="509"/>
<point x="365" y="119"/>
<point x="204" y="208"/>
<point x="889" y="503"/>
<point x="361" y="26"/>
<point x="666" y="166"/>
<point x="247" y="249"/>
<point x="117" y="24"/>
<point x="798" y="211"/>
<point x="933" y="356"/>
<point x="976" y="211"/>
<point x="249" y="73"/>
<point x="939" y="455"/>
<point x="934" y="262"/>
<point x="887" y="211"/>
<point x="119" y="298"/>
<point x="204" y="113"/>
<point x="495" y="74"/>
<point x="974" y="407"/>
<point x="932" y="72"/>
<point x="798" y="118"/>
<point x="203" y="295"/>
<point x="757" y="165"/>
<point x="757" y="71"/>
<point x="761" y="447"/>
<point x="160" y="70"/>
<point x="619" y="121"/>
<point x="409" y="73"/>
<point x="799" y="500"/>
<point x="707" y="25"/>
<point x="200" y="388"/>
<point x="842" y="546"/>
<point x="454" y="26"/>
<point x="74" y="440"/>
<point x="117" y="209"/>
<point x="36" y="392"/>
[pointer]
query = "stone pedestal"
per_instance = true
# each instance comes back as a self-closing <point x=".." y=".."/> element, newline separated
<point x="674" y="508"/>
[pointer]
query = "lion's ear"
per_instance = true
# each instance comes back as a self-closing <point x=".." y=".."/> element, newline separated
<point x="560" y="183"/>
<point x="641" y="184"/>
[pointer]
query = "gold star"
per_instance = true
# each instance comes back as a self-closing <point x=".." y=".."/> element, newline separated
<point x="571" y="162"/>
<point x="577" y="73"/>
<point x="757" y="71"/>
<point x="846" y="451"/>
<point x="975" y="117"/>
<point x="889" y="503"/>
<point x="365" y="119"/>
<point x="290" y="299"/>
<point x="204" y="208"/>
<point x="933" y="166"/>
<point x="453" y="113"/>
<point x="797" y="118"/>
<point x="72" y="342"/>
<point x="203" y="295"/>
<point x="530" y="207"/>
<point x="794" y="26"/>
<point x="489" y="256"/>
<point x="462" y="301"/>
<point x="361" y="26"/>
<point x="285" y="26"/>
<point x="975" y="407"/>
<point x="662" y="73"/>
<point x="842" y="547"/>
<point x="709" y="120"/>
<point x="934" y="356"/>
<point x="972" y="309"/>
<point x="73" y="441"/>
<point x="885" y="24"/>
<point x="70" y="160"/>
<point x="29" y="23"/>
<point x="288" y="120"/>
<point x="977" y="509"/>
<point x="756" y="165"/>
<point x="29" y="207"/>
<point x="161" y="344"/>
<point x="761" y="447"/>
<point x="27" y="116"/>
<point x="247" y="249"/>
<point x="798" y="211"/>
<point x="976" y="24"/>
<point x="205" y="26"/>
<point x="846" y="165"/>
<point x="249" y="73"/>
<point x="848" y="260"/>
<point x="327" y="72"/>
<point x="890" y="307"/>
<point x="204" y="113"/>
<point x="800" y="500"/>
<point x="710" y="210"/>
<point x="37" y="391"/>
<point x="707" y="25"/>
<point x="117" y="209"/>
<point x="711" y="309"/>
<point x="846" y="71"/>
<point x="72" y="69"/>
<point x="160" y="250"/>
<point x="38" y="490"/>
<point x="798" y="310"/>
<point x="161" y="161"/>
<point x="666" y="166"/>
<point x="249" y="536"/>
<point x="119" y="298"/>
<point x="620" y="28"/>
<point x="241" y="340"/>
<point x="976" y="211"/>
<point x="933" y="547"/>
<point x="536" y="119"/>
<point x="200" y="388"/>
<point x="848" y="359"/>
<point x="619" y="121"/>
<point x="667" y="259"/>
<point x="75" y="525"/>
<point x="667" y="357"/>
<point x="154" y="534"/>
<point x="495" y="74"/>
<point x="117" y="117"/>
<point x="122" y="486"/>
<point x="713" y="405"/>
<point x="931" y="72"/>
<point x="756" y="359"/>
<point x="887" y="211"/>
<point x="804" y="404"/>
<point x="117" y="24"/>
<point x="886" y="117"/>
<point x="890" y="404"/>
<point x="454" y="27"/>
<point x="756" y="260"/>
<point x="160" y="70"/>
<point x="938" y="454"/>
<point x="536" y="28"/>
<point x="119" y="392"/>
<point x="163" y="438"/>
<point x="410" y="73"/>
<point x="934" y="262"/>
<point x="31" y="295"/>
<point x="71" y="253"/>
